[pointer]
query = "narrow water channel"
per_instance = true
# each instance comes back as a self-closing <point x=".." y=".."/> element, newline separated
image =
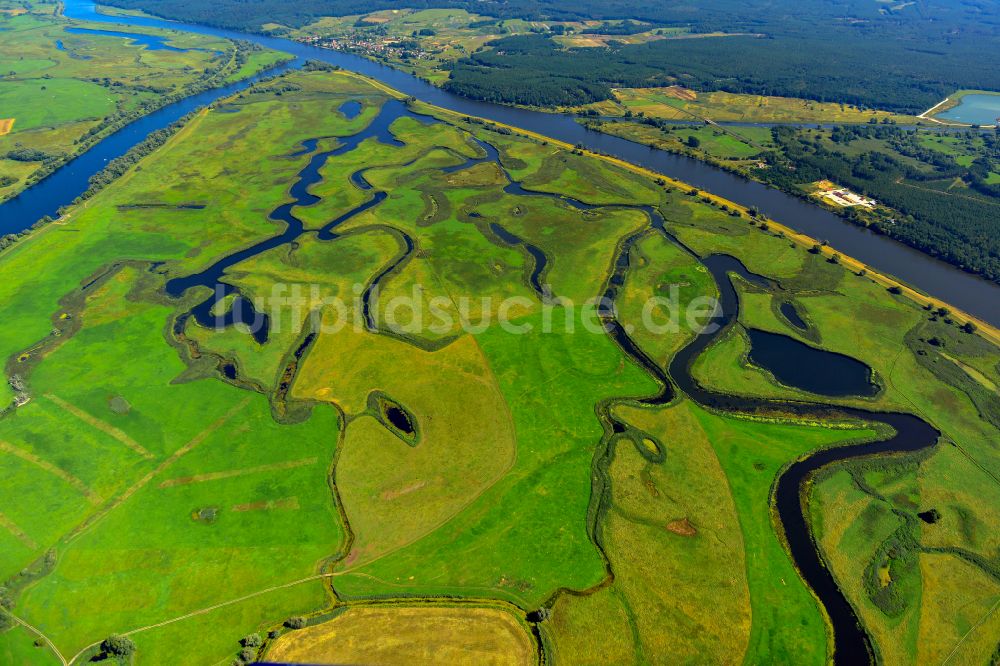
<point x="851" y="643"/>
<point x="911" y="433"/>
<point x="968" y="292"/>
<point x="782" y="357"/>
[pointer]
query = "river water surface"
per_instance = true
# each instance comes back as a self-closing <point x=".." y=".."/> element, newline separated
<point x="910" y="432"/>
<point x="968" y="292"/>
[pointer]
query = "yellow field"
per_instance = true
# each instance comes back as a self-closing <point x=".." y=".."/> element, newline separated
<point x="970" y="639"/>
<point x="413" y="635"/>
<point x="677" y="103"/>
<point x="985" y="381"/>
<point x="6" y="125"/>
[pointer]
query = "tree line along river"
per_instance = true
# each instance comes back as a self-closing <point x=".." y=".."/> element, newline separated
<point x="948" y="283"/>
<point x="975" y="295"/>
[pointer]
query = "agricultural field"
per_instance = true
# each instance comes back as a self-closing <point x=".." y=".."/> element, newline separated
<point x="738" y="148"/>
<point x="679" y="103"/>
<point x="62" y="87"/>
<point x="500" y="485"/>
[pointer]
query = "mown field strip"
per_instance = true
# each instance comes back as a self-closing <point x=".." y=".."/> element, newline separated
<point x="79" y="485"/>
<point x="228" y="474"/>
<point x="16" y="531"/>
<point x="104" y="427"/>
<point x="174" y="457"/>
<point x="6" y="126"/>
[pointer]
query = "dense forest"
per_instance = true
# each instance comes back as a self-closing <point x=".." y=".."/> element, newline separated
<point x="945" y="209"/>
<point x="902" y="58"/>
<point x="852" y="68"/>
<point x="940" y="17"/>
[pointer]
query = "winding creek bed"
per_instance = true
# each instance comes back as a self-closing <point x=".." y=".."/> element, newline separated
<point x="852" y="644"/>
<point x="974" y="295"/>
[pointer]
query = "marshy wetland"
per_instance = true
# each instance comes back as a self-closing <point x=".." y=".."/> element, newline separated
<point x="551" y="492"/>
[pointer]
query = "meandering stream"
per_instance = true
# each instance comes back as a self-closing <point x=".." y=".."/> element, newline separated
<point x="968" y="292"/>
<point x="911" y="433"/>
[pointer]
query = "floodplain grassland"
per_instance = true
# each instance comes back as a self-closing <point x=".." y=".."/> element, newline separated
<point x="426" y="634"/>
<point x="532" y="485"/>
<point x="243" y="481"/>
<point x="911" y="352"/>
<point x="669" y="527"/>
<point x="679" y="103"/>
<point x="62" y="90"/>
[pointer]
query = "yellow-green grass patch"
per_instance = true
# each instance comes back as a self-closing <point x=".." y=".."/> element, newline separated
<point x="428" y="634"/>
<point x="960" y="617"/>
<point x="678" y="103"/>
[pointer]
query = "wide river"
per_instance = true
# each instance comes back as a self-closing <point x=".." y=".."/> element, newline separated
<point x="968" y="292"/>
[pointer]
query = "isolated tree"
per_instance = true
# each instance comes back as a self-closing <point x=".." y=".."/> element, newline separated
<point x="117" y="645"/>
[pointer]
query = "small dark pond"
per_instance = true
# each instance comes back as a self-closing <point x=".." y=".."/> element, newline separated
<point x="792" y="315"/>
<point x="398" y="418"/>
<point x="930" y="517"/>
<point x="808" y="368"/>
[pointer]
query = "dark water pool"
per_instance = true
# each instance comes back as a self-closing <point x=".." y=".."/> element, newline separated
<point x="815" y="370"/>
<point x="398" y="418"/>
<point x="792" y="315"/>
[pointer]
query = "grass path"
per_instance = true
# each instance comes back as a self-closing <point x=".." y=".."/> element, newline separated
<point x="981" y="622"/>
<point x="103" y="426"/>
<point x="194" y="613"/>
<point x="52" y="646"/>
<point x="77" y="484"/>
<point x="141" y="483"/>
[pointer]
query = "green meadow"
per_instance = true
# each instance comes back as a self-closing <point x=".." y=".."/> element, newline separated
<point x="188" y="486"/>
<point x="60" y="100"/>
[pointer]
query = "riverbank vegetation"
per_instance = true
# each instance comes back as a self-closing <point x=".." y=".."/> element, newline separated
<point x="894" y="516"/>
<point x="245" y="490"/>
<point x="61" y="91"/>
<point x="934" y="189"/>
